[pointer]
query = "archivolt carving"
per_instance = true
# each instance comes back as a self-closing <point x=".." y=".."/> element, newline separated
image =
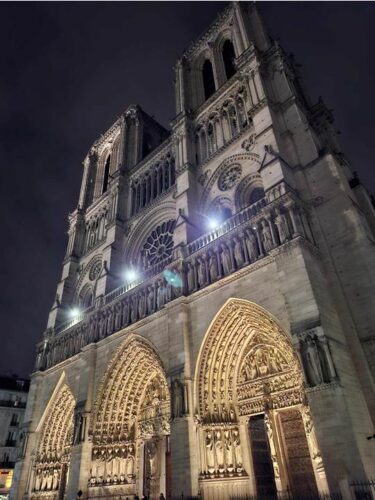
<point x="245" y="362"/>
<point x="55" y="442"/>
<point x="247" y="190"/>
<point x="135" y="371"/>
<point x="133" y="402"/>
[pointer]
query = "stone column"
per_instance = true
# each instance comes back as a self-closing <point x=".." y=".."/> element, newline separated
<point x="80" y="461"/>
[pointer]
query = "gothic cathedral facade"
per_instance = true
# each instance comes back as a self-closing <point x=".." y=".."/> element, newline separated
<point x="221" y="281"/>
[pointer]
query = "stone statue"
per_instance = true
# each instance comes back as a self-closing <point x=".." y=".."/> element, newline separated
<point x="55" y="480"/>
<point x="266" y="237"/>
<point x="282" y="226"/>
<point x="225" y="259"/>
<point x="38" y="480"/>
<point x="213" y="265"/>
<point x="117" y="316"/>
<point x="190" y="277"/>
<point x="238" y="252"/>
<point x="160" y="295"/>
<point x="313" y="364"/>
<point x="178" y="399"/>
<point x="78" y="428"/>
<point x="141" y="305"/>
<point x="201" y="272"/>
<point x="251" y="245"/>
<point x="210" y="453"/>
<point x="237" y="448"/>
<point x="228" y="449"/>
<point x="219" y="449"/>
<point x="130" y="466"/>
<point x="133" y="309"/>
<point x="150" y="300"/>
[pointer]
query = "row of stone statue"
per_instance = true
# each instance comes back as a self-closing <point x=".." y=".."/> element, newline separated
<point x="113" y="471"/>
<point x="242" y="249"/>
<point x="195" y="273"/>
<point x="47" y="479"/>
<point x="103" y="323"/>
<point x="223" y="456"/>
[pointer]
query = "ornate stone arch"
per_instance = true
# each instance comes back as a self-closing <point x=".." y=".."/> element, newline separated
<point x="133" y="245"/>
<point x="234" y="159"/>
<point x="56" y="433"/>
<point x="247" y="369"/>
<point x="249" y="186"/>
<point x="132" y="405"/>
<point x="239" y="329"/>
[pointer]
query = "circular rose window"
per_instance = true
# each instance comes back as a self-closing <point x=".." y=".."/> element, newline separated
<point x="230" y="177"/>
<point x="159" y="244"/>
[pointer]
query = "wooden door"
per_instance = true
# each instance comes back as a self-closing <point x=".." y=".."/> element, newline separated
<point x="296" y="450"/>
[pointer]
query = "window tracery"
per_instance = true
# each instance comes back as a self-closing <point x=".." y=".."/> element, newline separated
<point x="230" y="177"/>
<point x="159" y="244"/>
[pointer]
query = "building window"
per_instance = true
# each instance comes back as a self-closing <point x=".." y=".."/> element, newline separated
<point x="14" y="420"/>
<point x="106" y="174"/>
<point x="228" y="58"/>
<point x="208" y="79"/>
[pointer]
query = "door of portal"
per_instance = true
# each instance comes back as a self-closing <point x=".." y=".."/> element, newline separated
<point x="262" y="463"/>
<point x="296" y="451"/>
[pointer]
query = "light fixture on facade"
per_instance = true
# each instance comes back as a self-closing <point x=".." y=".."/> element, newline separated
<point x="213" y="223"/>
<point x="131" y="275"/>
<point x="74" y="312"/>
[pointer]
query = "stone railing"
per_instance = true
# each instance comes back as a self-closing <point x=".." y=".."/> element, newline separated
<point x="243" y="239"/>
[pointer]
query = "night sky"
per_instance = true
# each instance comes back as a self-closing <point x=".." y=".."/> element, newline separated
<point x="68" y="70"/>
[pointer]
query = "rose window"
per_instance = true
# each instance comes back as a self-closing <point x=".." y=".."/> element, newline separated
<point x="230" y="177"/>
<point x="159" y="244"/>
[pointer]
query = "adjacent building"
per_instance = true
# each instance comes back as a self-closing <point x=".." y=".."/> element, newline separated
<point x="13" y="397"/>
<point x="220" y="282"/>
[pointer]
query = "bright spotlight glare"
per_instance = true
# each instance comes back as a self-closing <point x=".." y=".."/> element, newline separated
<point x="213" y="223"/>
<point x="131" y="275"/>
<point x="74" y="312"/>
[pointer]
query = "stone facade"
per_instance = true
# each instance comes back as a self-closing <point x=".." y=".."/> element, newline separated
<point x="236" y="358"/>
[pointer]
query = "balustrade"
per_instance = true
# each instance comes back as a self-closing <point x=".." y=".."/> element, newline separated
<point x="243" y="239"/>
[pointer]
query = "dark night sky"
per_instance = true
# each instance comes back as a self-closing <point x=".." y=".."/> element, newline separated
<point x="67" y="72"/>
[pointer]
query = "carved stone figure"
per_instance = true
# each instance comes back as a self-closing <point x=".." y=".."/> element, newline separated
<point x="251" y="245"/>
<point x="38" y="480"/>
<point x="178" y="399"/>
<point x="266" y="236"/>
<point x="313" y="362"/>
<point x="210" y="454"/>
<point x="219" y="446"/>
<point x="282" y="226"/>
<point x="226" y="259"/>
<point x="201" y="269"/>
<point x="228" y="449"/>
<point x="134" y="309"/>
<point x="55" y="480"/>
<point x="160" y="295"/>
<point x="190" y="277"/>
<point x="213" y="265"/>
<point x="237" y="448"/>
<point x="150" y="300"/>
<point x="78" y="427"/>
<point x="238" y="255"/>
<point x="141" y="305"/>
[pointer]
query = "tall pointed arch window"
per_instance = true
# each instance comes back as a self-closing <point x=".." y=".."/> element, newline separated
<point x="208" y="79"/>
<point x="228" y="58"/>
<point x="106" y="174"/>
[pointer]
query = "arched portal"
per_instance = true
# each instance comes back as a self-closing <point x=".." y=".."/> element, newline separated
<point x="255" y="429"/>
<point x="130" y="427"/>
<point x="53" y="453"/>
